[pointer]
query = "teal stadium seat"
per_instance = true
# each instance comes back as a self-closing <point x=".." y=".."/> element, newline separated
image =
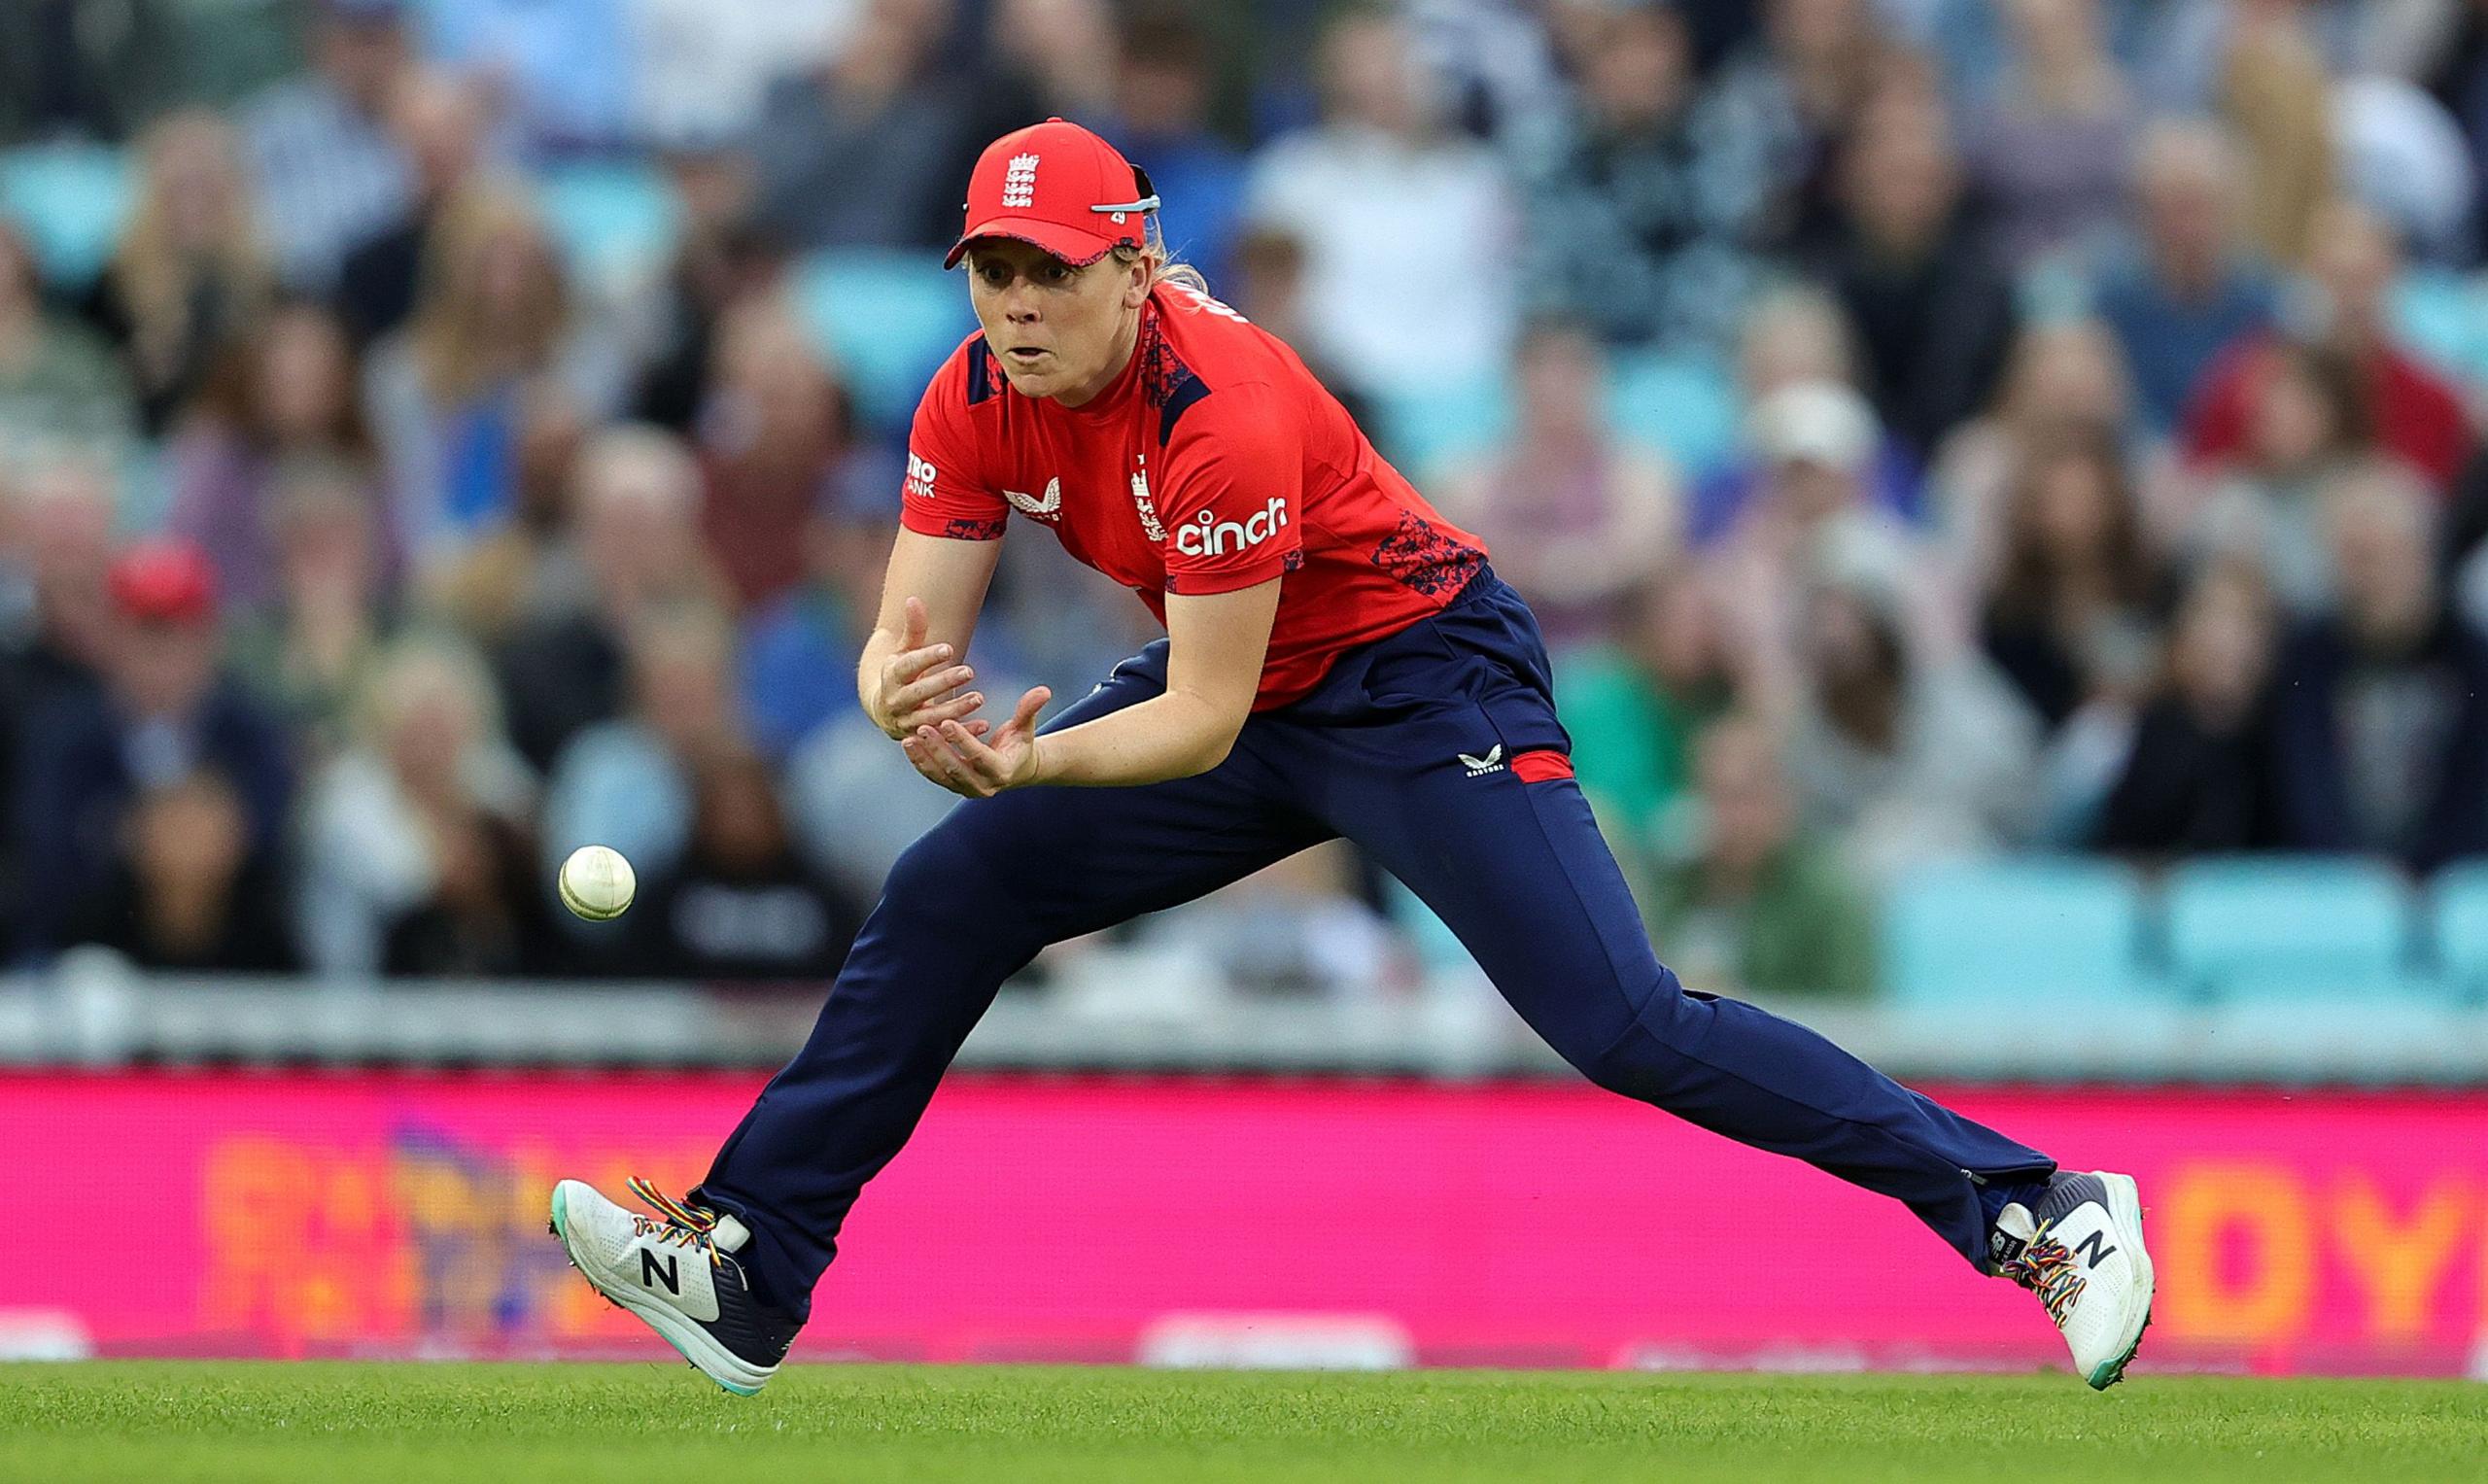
<point x="1982" y="932"/>
<point x="888" y="320"/>
<point x="2460" y="926"/>
<point x="2248" y="927"/>
<point x="615" y="223"/>
<point x="1424" y="433"/>
<point x="1684" y="406"/>
<point x="70" y="201"/>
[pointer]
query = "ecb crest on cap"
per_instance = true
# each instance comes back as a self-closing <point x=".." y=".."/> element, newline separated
<point x="1019" y="182"/>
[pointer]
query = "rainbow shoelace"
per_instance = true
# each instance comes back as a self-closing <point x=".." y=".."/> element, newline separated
<point x="684" y="1224"/>
<point x="2045" y="1267"/>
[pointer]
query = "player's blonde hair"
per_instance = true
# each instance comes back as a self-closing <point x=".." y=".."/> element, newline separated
<point x="1164" y="267"/>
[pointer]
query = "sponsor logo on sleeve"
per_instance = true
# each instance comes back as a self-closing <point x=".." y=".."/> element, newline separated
<point x="919" y="477"/>
<point x="1046" y="509"/>
<point x="1206" y="535"/>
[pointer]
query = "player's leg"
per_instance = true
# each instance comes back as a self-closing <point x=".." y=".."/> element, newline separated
<point x="1455" y="783"/>
<point x="964" y="908"/>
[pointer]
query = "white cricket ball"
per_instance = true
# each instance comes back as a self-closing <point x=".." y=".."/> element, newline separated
<point x="598" y="884"/>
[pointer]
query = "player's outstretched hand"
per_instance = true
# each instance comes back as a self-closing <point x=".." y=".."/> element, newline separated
<point x="920" y="686"/>
<point x="955" y="757"/>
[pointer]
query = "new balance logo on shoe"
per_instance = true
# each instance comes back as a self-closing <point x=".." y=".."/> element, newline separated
<point x="650" y="1275"/>
<point x="1479" y="767"/>
<point x="2092" y="1248"/>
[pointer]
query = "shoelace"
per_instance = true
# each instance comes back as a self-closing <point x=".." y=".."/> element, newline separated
<point x="2045" y="1267"/>
<point x="684" y="1224"/>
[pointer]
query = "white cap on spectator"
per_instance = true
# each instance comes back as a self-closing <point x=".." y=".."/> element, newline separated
<point x="1814" y="421"/>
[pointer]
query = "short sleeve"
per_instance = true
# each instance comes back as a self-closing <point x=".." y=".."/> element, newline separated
<point x="944" y="494"/>
<point x="1232" y="502"/>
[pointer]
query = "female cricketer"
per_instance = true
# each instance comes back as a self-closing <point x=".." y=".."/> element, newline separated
<point x="1339" y="660"/>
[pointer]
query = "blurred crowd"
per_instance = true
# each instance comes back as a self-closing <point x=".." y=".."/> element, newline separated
<point x="2098" y="388"/>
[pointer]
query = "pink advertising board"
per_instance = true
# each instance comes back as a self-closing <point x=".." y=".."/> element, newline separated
<point x="1227" y="1219"/>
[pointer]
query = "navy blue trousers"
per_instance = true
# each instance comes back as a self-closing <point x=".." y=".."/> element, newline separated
<point x="1516" y="868"/>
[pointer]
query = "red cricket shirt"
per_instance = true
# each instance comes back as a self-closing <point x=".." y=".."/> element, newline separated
<point x="1214" y="462"/>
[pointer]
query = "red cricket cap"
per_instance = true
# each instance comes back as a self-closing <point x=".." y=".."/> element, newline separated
<point x="164" y="581"/>
<point x="1058" y="186"/>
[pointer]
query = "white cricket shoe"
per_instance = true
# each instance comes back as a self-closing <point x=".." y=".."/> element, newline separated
<point x="2079" y="1247"/>
<point x="677" y="1275"/>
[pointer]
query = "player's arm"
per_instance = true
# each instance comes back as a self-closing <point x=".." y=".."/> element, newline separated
<point x="1216" y="643"/>
<point x="909" y="675"/>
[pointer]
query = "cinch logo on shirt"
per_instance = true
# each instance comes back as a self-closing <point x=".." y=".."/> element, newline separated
<point x="1209" y="536"/>
<point x="919" y="477"/>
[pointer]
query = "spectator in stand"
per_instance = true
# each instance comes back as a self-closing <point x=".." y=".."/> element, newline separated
<point x="2196" y="778"/>
<point x="740" y="903"/>
<point x="165" y="712"/>
<point x="1903" y="752"/>
<point x="2352" y="264"/>
<point x="720" y="258"/>
<point x="799" y="650"/>
<point x="1796" y="336"/>
<point x="559" y="72"/>
<point x="1634" y="705"/>
<point x="2313" y="424"/>
<point x="703" y="68"/>
<point x="55" y="545"/>
<point x="2454" y="67"/>
<point x="59" y="527"/>
<point x="306" y="653"/>
<point x="1268" y="290"/>
<point x="1574" y="514"/>
<point x="1161" y="121"/>
<point x="445" y="393"/>
<point x="1759" y="906"/>
<point x="517" y="571"/>
<point x="284" y="397"/>
<point x="60" y="387"/>
<point x="632" y="546"/>
<point x="1789" y="97"/>
<point x="771" y="438"/>
<point x="2277" y="100"/>
<point x="1932" y="306"/>
<point x="866" y="148"/>
<point x="1661" y="214"/>
<point x="190" y="274"/>
<point x="2380" y="735"/>
<point x="329" y="171"/>
<point x="187" y="888"/>
<point x="1067" y="53"/>
<point x="2050" y="152"/>
<point x="2068" y="620"/>
<point x="438" y="122"/>
<point x="2186" y="289"/>
<point x="417" y="855"/>
<point x="2064" y="380"/>
<point x="69" y="73"/>
<point x="626" y="783"/>
<point x="1297" y="928"/>
<point x="1408" y="229"/>
<point x="1815" y="443"/>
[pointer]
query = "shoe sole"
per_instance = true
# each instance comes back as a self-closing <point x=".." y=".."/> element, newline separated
<point x="689" y="1342"/>
<point x="2125" y="1207"/>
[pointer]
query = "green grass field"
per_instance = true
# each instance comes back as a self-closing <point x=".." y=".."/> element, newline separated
<point x="159" y="1423"/>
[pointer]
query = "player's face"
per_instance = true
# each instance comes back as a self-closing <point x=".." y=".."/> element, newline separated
<point x="1058" y="330"/>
